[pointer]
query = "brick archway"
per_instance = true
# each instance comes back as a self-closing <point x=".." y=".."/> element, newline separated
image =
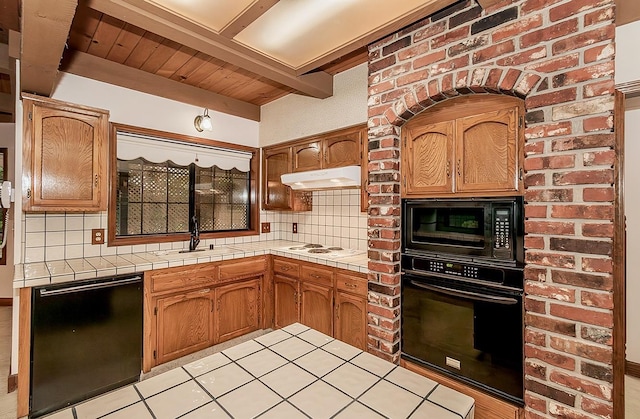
<point x="513" y="82"/>
<point x="558" y="57"/>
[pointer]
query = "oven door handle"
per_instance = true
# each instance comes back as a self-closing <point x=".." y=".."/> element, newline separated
<point x="467" y="294"/>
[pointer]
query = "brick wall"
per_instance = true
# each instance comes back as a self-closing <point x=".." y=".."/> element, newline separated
<point x="557" y="55"/>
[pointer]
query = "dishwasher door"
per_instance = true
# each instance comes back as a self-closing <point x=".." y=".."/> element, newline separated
<point x="86" y="339"/>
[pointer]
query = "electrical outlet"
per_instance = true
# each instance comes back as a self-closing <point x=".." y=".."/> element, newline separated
<point x="97" y="235"/>
<point x="295" y="228"/>
<point x="266" y="227"/>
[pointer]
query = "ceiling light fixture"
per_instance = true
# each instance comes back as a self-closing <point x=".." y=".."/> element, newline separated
<point x="203" y="122"/>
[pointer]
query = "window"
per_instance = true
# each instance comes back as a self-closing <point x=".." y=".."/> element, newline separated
<point x="160" y="181"/>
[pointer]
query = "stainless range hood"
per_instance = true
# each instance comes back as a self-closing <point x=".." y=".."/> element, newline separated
<point x="336" y="178"/>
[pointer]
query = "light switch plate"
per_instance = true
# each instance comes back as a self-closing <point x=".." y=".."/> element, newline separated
<point x="97" y="235"/>
<point x="266" y="227"/>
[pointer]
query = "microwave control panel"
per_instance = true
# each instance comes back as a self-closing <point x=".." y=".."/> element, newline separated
<point x="502" y="228"/>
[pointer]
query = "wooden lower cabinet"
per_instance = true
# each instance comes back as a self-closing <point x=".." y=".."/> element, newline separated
<point x="350" y="321"/>
<point x="191" y="308"/>
<point x="237" y="309"/>
<point x="184" y="324"/>
<point x="285" y="295"/>
<point x="316" y="307"/>
<point x="486" y="407"/>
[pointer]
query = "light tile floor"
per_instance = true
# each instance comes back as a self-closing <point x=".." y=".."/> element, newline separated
<point x="295" y="372"/>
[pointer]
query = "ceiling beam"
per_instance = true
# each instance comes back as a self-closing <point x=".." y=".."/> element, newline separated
<point x="428" y="9"/>
<point x="89" y="66"/>
<point x="627" y="11"/>
<point x="45" y="28"/>
<point x="251" y="14"/>
<point x="182" y="31"/>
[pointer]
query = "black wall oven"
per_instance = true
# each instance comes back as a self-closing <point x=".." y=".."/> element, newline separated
<point x="480" y="228"/>
<point x="462" y="291"/>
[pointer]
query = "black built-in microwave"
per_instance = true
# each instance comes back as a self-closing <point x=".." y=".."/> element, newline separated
<point x="481" y="229"/>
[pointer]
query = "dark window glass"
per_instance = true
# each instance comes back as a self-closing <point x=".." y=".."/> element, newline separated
<point x="160" y="198"/>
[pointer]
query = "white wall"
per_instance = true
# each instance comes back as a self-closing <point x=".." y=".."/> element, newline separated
<point x="129" y="107"/>
<point x="628" y="69"/>
<point x="295" y="116"/>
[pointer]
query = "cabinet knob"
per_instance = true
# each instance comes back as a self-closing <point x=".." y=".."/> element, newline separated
<point x="96" y="181"/>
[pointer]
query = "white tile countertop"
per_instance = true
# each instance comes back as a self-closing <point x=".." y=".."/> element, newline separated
<point x="59" y="271"/>
<point x="294" y="372"/>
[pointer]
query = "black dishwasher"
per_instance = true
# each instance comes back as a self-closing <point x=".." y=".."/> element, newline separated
<point x="86" y="339"/>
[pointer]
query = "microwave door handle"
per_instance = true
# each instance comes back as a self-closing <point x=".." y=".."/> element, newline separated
<point x="467" y="294"/>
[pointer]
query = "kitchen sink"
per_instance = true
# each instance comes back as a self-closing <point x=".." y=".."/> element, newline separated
<point x="218" y="250"/>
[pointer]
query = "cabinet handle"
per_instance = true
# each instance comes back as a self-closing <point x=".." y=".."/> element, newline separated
<point x="29" y="193"/>
<point x="337" y="312"/>
<point x="204" y="291"/>
<point x="448" y="168"/>
<point x="285" y="268"/>
<point x="459" y="174"/>
<point x="404" y="180"/>
<point x="96" y="181"/>
<point x="316" y="276"/>
<point x="295" y="297"/>
<point x="521" y="173"/>
<point x="349" y="285"/>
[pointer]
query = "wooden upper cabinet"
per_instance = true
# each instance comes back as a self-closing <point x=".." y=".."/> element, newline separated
<point x="275" y="163"/>
<point x="307" y="156"/>
<point x="336" y="149"/>
<point x="343" y="150"/>
<point x="429" y="158"/>
<point x="64" y="156"/>
<point x="276" y="195"/>
<point x="467" y="146"/>
<point x="487" y="151"/>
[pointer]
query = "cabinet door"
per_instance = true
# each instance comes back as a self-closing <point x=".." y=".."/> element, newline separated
<point x="275" y="163"/>
<point x="307" y="156"/>
<point x="184" y="324"/>
<point x="68" y="157"/>
<point x="237" y="309"/>
<point x="343" y="150"/>
<point x="351" y="319"/>
<point x="428" y="159"/>
<point x="316" y="307"/>
<point x="286" y="307"/>
<point x="487" y="151"/>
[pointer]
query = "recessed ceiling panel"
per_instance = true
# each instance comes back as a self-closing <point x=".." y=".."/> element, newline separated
<point x="211" y="14"/>
<point x="296" y="32"/>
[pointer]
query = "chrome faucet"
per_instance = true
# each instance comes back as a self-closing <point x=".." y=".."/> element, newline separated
<point x="195" y="235"/>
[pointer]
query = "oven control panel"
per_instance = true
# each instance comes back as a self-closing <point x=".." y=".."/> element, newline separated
<point x="449" y="268"/>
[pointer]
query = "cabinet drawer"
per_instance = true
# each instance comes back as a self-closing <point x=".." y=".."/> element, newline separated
<point x="232" y="270"/>
<point x="317" y="274"/>
<point x="178" y="278"/>
<point x="286" y="268"/>
<point x="351" y="283"/>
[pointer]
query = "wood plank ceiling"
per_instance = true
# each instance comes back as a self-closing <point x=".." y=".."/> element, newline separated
<point x="139" y="45"/>
<point x="106" y="37"/>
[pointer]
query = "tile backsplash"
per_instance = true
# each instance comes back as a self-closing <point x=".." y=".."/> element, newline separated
<point x="335" y="220"/>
